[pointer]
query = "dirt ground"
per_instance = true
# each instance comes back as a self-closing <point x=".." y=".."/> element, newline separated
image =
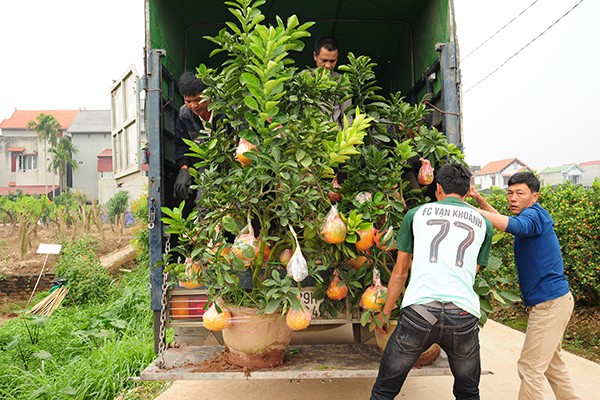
<point x="11" y="262"/>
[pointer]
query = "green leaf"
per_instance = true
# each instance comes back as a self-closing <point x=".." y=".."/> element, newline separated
<point x="486" y="306"/>
<point x="229" y="224"/>
<point x="251" y="102"/>
<point x="273" y="306"/>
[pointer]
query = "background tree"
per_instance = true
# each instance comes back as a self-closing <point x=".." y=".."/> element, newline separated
<point x="62" y="159"/>
<point x="48" y="130"/>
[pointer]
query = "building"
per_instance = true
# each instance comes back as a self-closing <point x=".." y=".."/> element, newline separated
<point x="591" y="172"/>
<point x="24" y="159"/>
<point x="496" y="173"/>
<point x="90" y="134"/>
<point x="561" y="174"/>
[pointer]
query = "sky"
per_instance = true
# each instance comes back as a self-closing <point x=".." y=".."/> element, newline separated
<point x="538" y="107"/>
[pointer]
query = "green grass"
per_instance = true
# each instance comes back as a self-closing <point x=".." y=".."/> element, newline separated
<point x="82" y="352"/>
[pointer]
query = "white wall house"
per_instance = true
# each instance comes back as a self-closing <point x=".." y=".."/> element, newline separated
<point x="24" y="159"/>
<point x="591" y="171"/>
<point x="561" y="174"/>
<point x="496" y="173"/>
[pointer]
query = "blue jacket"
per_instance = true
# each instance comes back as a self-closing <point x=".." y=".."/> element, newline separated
<point x="538" y="256"/>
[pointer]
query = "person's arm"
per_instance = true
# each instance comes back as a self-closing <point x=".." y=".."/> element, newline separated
<point x="396" y="284"/>
<point x="180" y="146"/>
<point x="498" y="220"/>
<point x="483" y="204"/>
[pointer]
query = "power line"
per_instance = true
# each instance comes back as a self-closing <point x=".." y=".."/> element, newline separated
<point x="522" y="48"/>
<point x="499" y="30"/>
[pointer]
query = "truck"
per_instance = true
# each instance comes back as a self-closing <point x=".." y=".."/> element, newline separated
<point x="415" y="47"/>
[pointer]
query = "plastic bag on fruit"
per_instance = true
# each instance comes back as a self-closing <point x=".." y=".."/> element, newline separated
<point x="373" y="298"/>
<point x="297" y="267"/>
<point x="337" y="289"/>
<point x="333" y="229"/>
<point x="245" y="245"/>
<point x="425" y="176"/>
<point x="297" y="320"/>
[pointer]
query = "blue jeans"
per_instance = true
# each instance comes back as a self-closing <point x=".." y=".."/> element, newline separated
<point x="457" y="333"/>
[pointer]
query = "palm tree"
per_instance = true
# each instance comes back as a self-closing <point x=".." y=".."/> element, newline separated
<point x="48" y="130"/>
<point x="62" y="159"/>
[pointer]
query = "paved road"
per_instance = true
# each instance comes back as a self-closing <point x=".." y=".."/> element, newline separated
<point x="500" y="350"/>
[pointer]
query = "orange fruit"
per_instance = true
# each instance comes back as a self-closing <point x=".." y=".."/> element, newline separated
<point x="244" y="146"/>
<point x="298" y="319"/>
<point x="216" y="321"/>
<point x="384" y="241"/>
<point x="337" y="289"/>
<point x="373" y="299"/>
<point x="366" y="239"/>
<point x="285" y="256"/>
<point x="190" y="284"/>
<point x="358" y="262"/>
<point x="334" y="231"/>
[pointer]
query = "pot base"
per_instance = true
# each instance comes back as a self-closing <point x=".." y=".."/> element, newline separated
<point x="256" y="340"/>
<point x="267" y="359"/>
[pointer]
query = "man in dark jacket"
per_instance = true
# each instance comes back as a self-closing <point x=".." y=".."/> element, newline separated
<point x="193" y="122"/>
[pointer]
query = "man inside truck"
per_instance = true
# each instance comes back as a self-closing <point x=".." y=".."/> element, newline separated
<point x="193" y="120"/>
<point x="326" y="53"/>
<point x="446" y="242"/>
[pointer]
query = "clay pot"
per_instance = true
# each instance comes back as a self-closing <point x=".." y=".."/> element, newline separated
<point x="428" y="357"/>
<point x="256" y="341"/>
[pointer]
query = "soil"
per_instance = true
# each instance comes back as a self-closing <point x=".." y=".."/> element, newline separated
<point x="582" y="336"/>
<point x="11" y="262"/>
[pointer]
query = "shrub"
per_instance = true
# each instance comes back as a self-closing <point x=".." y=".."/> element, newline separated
<point x="87" y="280"/>
<point x="141" y="235"/>
<point x="117" y="205"/>
<point x="577" y="224"/>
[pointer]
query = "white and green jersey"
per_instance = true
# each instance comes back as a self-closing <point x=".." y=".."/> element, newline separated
<point x="447" y="239"/>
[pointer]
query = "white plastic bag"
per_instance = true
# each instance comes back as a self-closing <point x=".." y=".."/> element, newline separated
<point x="297" y="267"/>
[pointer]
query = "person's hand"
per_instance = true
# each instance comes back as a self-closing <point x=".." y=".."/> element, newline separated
<point x="182" y="184"/>
<point x="382" y="319"/>
<point x="474" y="193"/>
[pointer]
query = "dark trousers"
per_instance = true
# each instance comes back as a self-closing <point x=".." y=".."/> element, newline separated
<point x="457" y="333"/>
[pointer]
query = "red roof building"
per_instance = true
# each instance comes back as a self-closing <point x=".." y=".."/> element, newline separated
<point x="496" y="173"/>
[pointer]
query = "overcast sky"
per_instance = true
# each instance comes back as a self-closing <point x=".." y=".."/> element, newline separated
<point x="538" y="107"/>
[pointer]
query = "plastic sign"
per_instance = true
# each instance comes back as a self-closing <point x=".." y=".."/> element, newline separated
<point x="45" y="248"/>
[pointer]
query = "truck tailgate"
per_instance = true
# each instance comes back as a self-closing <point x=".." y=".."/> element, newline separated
<point x="314" y="361"/>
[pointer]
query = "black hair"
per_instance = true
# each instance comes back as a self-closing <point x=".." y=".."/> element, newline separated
<point x="189" y="84"/>
<point x="454" y="179"/>
<point x="528" y="178"/>
<point x="328" y="42"/>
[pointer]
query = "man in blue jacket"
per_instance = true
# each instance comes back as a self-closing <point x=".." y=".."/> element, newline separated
<point x="543" y="284"/>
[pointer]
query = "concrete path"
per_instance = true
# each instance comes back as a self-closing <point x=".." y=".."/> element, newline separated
<point x="500" y="348"/>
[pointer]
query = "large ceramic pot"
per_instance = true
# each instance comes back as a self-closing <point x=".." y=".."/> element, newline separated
<point x="428" y="357"/>
<point x="256" y="341"/>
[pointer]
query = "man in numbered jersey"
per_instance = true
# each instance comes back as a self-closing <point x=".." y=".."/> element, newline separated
<point x="447" y="241"/>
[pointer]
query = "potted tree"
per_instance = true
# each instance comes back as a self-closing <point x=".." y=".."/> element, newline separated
<point x="271" y="189"/>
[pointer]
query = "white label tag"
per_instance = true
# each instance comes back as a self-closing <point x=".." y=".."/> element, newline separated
<point x="310" y="302"/>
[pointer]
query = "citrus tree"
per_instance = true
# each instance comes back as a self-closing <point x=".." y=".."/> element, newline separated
<point x="278" y="179"/>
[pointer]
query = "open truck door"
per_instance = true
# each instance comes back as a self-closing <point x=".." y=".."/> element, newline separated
<point x="128" y="135"/>
<point x="415" y="48"/>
